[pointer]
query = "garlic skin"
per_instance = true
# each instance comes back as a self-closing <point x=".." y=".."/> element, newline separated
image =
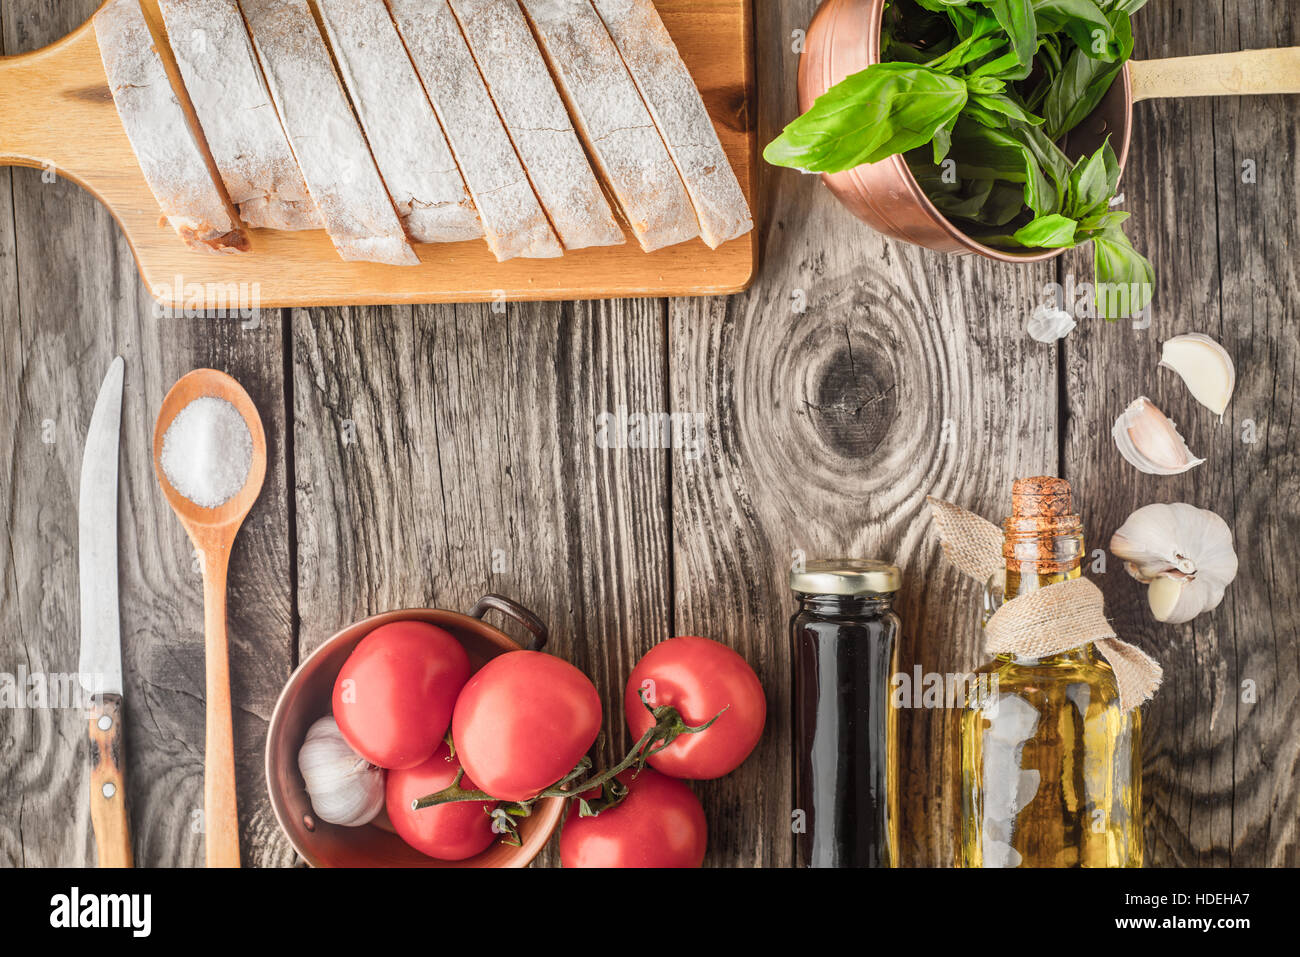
<point x="1183" y="553"/>
<point x="1204" y="366"/>
<point x="1150" y="442"/>
<point x="344" y="788"/>
<point x="1049" y="324"/>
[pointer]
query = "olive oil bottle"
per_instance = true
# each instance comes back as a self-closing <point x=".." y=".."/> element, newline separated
<point x="1051" y="763"/>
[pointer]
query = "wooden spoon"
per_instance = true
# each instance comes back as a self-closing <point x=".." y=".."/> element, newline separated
<point x="213" y="530"/>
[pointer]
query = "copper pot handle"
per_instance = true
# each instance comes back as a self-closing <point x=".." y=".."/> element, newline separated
<point x="1218" y="74"/>
<point x="512" y="609"/>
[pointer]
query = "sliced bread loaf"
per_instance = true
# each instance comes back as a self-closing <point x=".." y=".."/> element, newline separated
<point x="678" y="109"/>
<point x="327" y="140"/>
<point x="171" y="155"/>
<point x="513" y="220"/>
<point x="405" y="138"/>
<point x="614" y="122"/>
<point x="538" y="124"/>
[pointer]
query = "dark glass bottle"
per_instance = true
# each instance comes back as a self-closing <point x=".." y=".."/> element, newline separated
<point x="843" y="639"/>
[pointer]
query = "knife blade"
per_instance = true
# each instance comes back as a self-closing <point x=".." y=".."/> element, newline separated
<point x="100" y="667"/>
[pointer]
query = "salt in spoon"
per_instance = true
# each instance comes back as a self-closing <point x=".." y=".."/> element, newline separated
<point x="213" y="530"/>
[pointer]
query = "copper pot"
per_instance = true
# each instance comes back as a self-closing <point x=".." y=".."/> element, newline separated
<point x="307" y="696"/>
<point x="843" y="39"/>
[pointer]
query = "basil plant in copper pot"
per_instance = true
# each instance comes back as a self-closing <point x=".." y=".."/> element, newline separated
<point x="978" y="95"/>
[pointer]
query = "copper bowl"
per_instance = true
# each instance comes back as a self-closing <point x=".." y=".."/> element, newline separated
<point x="843" y="39"/>
<point x="307" y="696"/>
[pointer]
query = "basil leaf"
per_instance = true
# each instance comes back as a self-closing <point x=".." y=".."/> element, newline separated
<point x="906" y="53"/>
<point x="999" y="103"/>
<point x="942" y="142"/>
<point x="969" y="206"/>
<point x="984" y="84"/>
<point x="1082" y="21"/>
<point x="1017" y="18"/>
<point x="961" y="200"/>
<point x="1112" y="169"/>
<point x="887" y="108"/>
<point x="985" y="38"/>
<point x="985" y="153"/>
<point x="1047" y="232"/>
<point x="1089" y="189"/>
<point x="1056" y="165"/>
<point x="1006" y="201"/>
<point x="941" y="6"/>
<point x="1007" y="66"/>
<point x="1101" y="222"/>
<point x="1083" y="81"/>
<point x="1125" y="281"/>
<point x="984" y="116"/>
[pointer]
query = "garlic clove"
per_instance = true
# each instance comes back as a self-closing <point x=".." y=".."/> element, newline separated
<point x="1204" y="366"/>
<point x="1150" y="442"/>
<point x="1163" y="595"/>
<point x="1183" y="553"/>
<point x="1048" y="324"/>
<point x="344" y="788"/>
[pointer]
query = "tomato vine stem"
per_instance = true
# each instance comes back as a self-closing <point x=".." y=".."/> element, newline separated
<point x="668" y="727"/>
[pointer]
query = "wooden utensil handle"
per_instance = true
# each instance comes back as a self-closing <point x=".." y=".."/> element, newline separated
<point x="108" y="814"/>
<point x="1218" y="74"/>
<point x="220" y="811"/>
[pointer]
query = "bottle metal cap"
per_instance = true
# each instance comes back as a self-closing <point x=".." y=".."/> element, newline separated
<point x="846" y="576"/>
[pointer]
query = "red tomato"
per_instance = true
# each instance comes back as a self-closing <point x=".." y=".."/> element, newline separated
<point x="523" y="722"/>
<point x="394" y="696"/>
<point x="659" y="824"/>
<point x="449" y="832"/>
<point x="699" y="677"/>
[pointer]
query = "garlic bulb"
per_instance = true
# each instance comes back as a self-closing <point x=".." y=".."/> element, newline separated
<point x="1183" y="553"/>
<point x="1204" y="366"/>
<point x="344" y="787"/>
<point x="1048" y="324"/>
<point x="1150" y="442"/>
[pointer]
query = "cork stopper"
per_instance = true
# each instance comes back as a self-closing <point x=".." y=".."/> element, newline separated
<point x="1040" y="497"/>
<point x="1043" y="534"/>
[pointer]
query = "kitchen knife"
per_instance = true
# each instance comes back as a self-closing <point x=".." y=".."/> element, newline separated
<point x="100" y="670"/>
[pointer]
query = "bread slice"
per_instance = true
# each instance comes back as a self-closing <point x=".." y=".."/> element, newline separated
<point x="538" y="123"/>
<point x="678" y="109"/>
<point x="614" y="122"/>
<point x="171" y="156"/>
<point x="513" y="220"/>
<point x="327" y="141"/>
<point x="405" y="138"/>
<point x="242" y="129"/>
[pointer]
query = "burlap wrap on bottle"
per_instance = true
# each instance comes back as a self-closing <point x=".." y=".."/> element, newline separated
<point x="1048" y="621"/>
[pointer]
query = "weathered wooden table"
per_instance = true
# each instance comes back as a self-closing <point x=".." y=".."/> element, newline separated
<point x="425" y="456"/>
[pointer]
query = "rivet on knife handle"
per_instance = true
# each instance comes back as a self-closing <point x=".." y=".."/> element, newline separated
<point x="108" y="813"/>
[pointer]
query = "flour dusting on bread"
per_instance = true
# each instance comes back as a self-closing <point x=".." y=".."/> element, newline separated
<point x="674" y="101"/>
<point x="614" y="122"/>
<point x="538" y="124"/>
<point x="405" y="138"/>
<point x="327" y="140"/>
<point x="513" y="220"/>
<point x="171" y="157"/>
<point x="240" y="124"/>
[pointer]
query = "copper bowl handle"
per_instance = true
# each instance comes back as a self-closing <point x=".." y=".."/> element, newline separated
<point x="517" y="612"/>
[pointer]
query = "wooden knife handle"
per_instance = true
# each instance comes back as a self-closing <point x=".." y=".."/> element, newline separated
<point x="107" y="783"/>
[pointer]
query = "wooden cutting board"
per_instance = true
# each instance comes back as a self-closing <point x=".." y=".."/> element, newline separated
<point x="56" y="113"/>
